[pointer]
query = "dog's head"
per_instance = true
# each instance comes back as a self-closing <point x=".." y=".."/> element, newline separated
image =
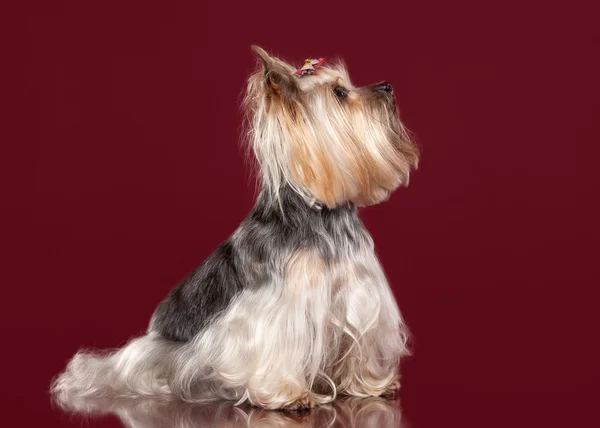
<point x="331" y="141"/>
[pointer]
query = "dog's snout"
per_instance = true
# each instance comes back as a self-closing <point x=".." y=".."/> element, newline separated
<point x="383" y="87"/>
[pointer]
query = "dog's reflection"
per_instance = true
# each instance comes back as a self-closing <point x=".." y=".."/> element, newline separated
<point x="351" y="412"/>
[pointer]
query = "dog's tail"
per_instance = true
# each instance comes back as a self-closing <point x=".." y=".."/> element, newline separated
<point x="139" y="369"/>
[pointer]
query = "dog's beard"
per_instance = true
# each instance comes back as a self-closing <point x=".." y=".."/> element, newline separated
<point x="355" y="153"/>
<point x="386" y="152"/>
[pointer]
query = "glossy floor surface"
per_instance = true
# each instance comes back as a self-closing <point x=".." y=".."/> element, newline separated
<point x="343" y="413"/>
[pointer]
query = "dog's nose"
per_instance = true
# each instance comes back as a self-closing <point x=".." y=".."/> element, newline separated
<point x="383" y="87"/>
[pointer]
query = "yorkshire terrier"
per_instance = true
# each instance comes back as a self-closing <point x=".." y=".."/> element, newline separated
<point x="294" y="308"/>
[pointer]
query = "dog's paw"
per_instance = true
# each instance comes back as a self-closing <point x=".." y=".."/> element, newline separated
<point x="302" y="404"/>
<point x="391" y="392"/>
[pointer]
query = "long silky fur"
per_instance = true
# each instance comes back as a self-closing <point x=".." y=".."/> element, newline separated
<point x="294" y="308"/>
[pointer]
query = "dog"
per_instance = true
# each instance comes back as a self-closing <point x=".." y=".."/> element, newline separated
<point x="294" y="308"/>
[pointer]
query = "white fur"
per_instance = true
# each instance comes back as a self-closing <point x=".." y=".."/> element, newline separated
<point x="320" y="332"/>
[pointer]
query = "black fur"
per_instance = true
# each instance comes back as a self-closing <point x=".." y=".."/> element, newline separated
<point x="206" y="291"/>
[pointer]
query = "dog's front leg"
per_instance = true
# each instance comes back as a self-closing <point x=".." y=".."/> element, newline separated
<point x="274" y="342"/>
<point x="374" y="334"/>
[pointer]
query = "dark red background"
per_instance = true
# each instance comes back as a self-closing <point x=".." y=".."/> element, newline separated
<point x="122" y="171"/>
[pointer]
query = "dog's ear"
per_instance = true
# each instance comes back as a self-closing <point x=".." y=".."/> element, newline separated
<point x="279" y="76"/>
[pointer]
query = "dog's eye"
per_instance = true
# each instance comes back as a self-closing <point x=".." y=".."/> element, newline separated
<point x="340" y="92"/>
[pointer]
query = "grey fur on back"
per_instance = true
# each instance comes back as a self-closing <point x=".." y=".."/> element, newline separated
<point x="256" y="251"/>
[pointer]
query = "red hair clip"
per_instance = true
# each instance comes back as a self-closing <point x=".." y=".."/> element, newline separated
<point x="309" y="67"/>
